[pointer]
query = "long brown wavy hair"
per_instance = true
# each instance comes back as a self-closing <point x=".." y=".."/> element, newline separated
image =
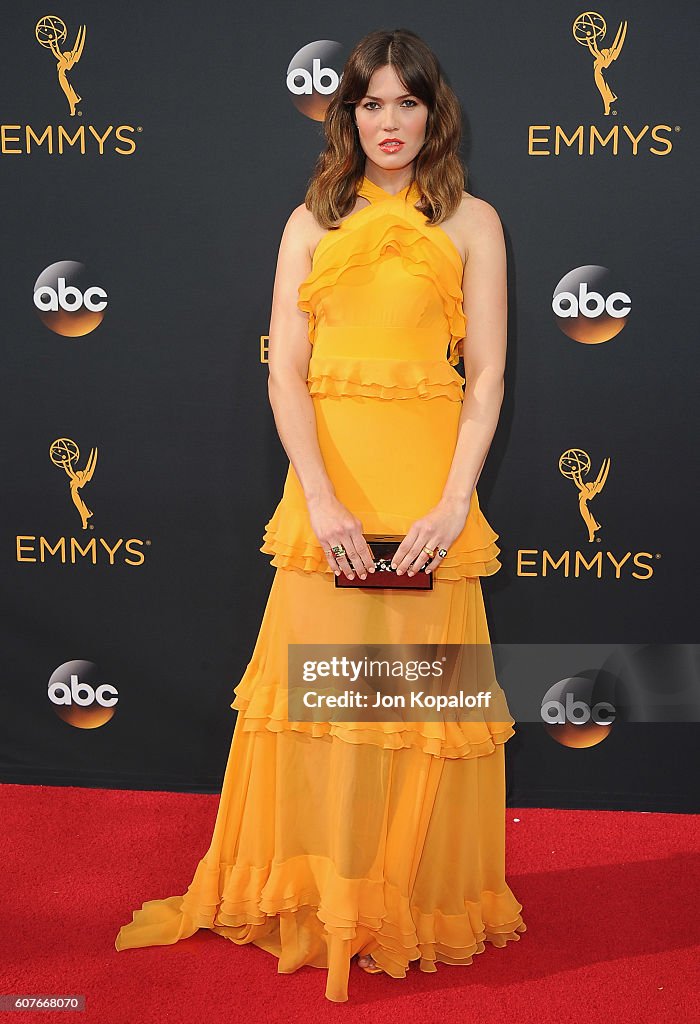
<point x="438" y="171"/>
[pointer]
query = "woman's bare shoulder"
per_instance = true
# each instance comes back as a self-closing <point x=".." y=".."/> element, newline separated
<point x="478" y="223"/>
<point x="302" y="230"/>
<point x="300" y="225"/>
<point x="477" y="213"/>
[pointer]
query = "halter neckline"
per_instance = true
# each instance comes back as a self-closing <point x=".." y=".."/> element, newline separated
<point x="375" y="193"/>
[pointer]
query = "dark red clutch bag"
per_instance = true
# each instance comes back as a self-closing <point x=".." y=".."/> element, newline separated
<point x="383" y="547"/>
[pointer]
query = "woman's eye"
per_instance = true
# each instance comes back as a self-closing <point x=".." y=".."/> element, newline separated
<point x="372" y="103"/>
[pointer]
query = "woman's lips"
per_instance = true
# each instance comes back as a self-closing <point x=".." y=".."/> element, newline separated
<point x="390" y="147"/>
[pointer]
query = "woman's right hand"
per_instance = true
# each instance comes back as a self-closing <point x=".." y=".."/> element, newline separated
<point x="333" y="523"/>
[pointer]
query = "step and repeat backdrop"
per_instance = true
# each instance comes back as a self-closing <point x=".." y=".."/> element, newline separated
<point x="150" y="157"/>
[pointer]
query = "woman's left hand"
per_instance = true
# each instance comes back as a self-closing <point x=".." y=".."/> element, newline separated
<point x="438" y="528"/>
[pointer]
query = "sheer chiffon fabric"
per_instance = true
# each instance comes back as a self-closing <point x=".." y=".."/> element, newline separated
<point x="339" y="837"/>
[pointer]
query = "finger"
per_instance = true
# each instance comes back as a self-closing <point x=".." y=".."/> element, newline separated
<point x="424" y="560"/>
<point x="419" y="560"/>
<point x="364" y="551"/>
<point x="345" y="567"/>
<point x="433" y="564"/>
<point x="436" y="560"/>
<point x="399" y="561"/>
<point x="330" y="558"/>
<point x="416" y="557"/>
<point x="357" y="565"/>
<point x="343" y="562"/>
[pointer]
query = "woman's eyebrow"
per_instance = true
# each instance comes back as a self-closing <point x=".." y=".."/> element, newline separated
<point x="402" y="97"/>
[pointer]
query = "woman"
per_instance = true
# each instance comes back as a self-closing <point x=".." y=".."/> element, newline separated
<point x="377" y="839"/>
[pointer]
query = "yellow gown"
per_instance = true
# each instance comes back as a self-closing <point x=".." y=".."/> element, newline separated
<point x="334" y="838"/>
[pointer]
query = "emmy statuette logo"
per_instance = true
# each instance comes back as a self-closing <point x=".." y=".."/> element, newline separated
<point x="35" y="548"/>
<point x="589" y="30"/>
<point x="602" y="564"/>
<point x="74" y="136"/>
<point x="609" y="138"/>
<point x="65" y="454"/>
<point x="51" y="33"/>
<point x="574" y="464"/>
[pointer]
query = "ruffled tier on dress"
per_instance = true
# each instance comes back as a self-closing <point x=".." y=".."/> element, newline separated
<point x="324" y="847"/>
<point x="289" y="538"/>
<point x="341" y="837"/>
<point x="336" y="377"/>
<point x="314" y="612"/>
<point x="425" y="251"/>
<point x="384" y="385"/>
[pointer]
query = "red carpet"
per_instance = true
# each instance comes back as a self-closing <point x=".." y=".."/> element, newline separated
<point x="610" y="900"/>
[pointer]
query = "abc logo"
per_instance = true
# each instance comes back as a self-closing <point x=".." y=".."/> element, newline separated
<point x="587" y="307"/>
<point x="67" y="301"/>
<point x="577" y="712"/>
<point x="79" y="697"/>
<point x="312" y="78"/>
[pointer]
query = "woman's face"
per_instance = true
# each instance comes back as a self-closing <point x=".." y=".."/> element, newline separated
<point x="387" y="112"/>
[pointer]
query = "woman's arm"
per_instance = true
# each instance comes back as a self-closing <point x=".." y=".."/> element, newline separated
<point x="289" y="352"/>
<point x="486" y="308"/>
